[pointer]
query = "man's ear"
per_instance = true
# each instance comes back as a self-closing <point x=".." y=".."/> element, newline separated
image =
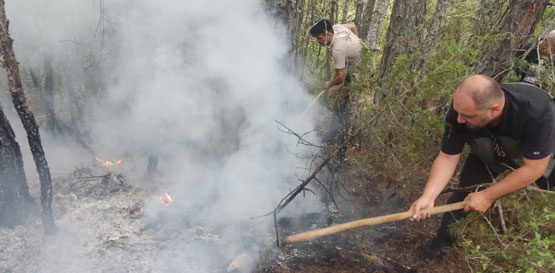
<point x="495" y="109"/>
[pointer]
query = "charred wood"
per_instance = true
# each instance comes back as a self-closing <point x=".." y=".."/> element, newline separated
<point x="27" y="119"/>
<point x="15" y="200"/>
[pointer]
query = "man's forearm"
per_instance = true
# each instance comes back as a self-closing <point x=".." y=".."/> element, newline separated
<point x="517" y="180"/>
<point x="442" y="170"/>
<point x="338" y="78"/>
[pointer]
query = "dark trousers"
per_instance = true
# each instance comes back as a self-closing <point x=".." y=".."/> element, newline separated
<point x="474" y="172"/>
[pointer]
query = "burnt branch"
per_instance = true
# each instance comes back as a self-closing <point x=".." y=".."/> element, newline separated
<point x="328" y="192"/>
<point x="300" y="138"/>
<point x="289" y="197"/>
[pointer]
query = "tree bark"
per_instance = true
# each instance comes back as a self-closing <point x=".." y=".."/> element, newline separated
<point x="487" y="15"/>
<point x="359" y="8"/>
<point x="435" y="25"/>
<point x="48" y="96"/>
<point x="291" y="14"/>
<point x="375" y="25"/>
<point x="405" y="32"/>
<point x="366" y="19"/>
<point x="332" y="15"/>
<point x="15" y="200"/>
<point x="345" y="12"/>
<point x="28" y="121"/>
<point x="433" y="30"/>
<point x="518" y="20"/>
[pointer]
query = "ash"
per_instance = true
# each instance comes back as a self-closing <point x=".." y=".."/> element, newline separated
<point x="107" y="225"/>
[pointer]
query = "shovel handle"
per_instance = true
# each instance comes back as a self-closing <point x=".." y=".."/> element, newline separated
<point x="313" y="101"/>
<point x="309" y="235"/>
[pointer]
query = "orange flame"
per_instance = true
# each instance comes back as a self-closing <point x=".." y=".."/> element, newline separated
<point x="165" y="199"/>
<point x="107" y="163"/>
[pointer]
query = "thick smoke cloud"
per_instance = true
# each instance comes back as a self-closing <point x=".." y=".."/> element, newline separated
<point x="196" y="84"/>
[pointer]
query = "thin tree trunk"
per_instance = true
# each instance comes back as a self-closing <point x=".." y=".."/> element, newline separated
<point x="28" y="121"/>
<point x="405" y="32"/>
<point x="487" y="15"/>
<point x="435" y="25"/>
<point x="358" y="13"/>
<point x="332" y="16"/>
<point x="366" y="19"/>
<point x="345" y="11"/>
<point x="48" y="95"/>
<point x="433" y="31"/>
<point x="291" y="13"/>
<point x="375" y="25"/>
<point x="519" y="19"/>
<point x="334" y="11"/>
<point x="15" y="200"/>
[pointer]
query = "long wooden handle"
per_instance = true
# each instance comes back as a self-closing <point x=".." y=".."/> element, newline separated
<point x="313" y="102"/>
<point x="309" y="235"/>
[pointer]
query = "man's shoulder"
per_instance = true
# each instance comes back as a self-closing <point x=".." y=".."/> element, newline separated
<point x="527" y="94"/>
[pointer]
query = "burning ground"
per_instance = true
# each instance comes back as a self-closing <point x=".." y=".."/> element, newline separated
<point x="108" y="223"/>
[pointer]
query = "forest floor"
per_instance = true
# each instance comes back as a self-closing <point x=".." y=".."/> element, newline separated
<point x="102" y="228"/>
<point x="393" y="247"/>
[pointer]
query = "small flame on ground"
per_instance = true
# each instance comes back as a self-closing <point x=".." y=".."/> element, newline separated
<point x="165" y="199"/>
<point x="107" y="163"/>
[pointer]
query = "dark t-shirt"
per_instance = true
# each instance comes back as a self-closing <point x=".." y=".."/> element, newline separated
<point x="528" y="119"/>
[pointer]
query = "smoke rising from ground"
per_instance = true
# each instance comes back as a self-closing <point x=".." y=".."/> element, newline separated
<point x="196" y="85"/>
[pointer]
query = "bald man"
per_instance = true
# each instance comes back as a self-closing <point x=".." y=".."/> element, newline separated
<point x="508" y="126"/>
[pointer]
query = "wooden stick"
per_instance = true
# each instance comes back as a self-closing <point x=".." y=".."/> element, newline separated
<point x="313" y="102"/>
<point x="309" y="235"/>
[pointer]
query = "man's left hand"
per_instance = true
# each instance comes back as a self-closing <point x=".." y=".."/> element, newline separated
<point x="477" y="201"/>
<point x="326" y="85"/>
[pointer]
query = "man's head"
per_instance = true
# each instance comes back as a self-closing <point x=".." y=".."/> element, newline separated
<point x="479" y="101"/>
<point x="322" y="31"/>
<point x="547" y="44"/>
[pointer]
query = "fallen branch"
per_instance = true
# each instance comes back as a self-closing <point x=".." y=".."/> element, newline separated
<point x="289" y="197"/>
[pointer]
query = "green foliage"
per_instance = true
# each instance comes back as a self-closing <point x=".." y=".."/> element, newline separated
<point x="417" y="95"/>
<point x="528" y="245"/>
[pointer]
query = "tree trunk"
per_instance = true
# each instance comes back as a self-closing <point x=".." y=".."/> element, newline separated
<point x="519" y="19"/>
<point x="435" y="25"/>
<point x="375" y="25"/>
<point x="405" y="32"/>
<point x="358" y="13"/>
<point x="291" y="14"/>
<point x="433" y="30"/>
<point x="487" y="15"/>
<point x="334" y="11"/>
<point x="345" y="12"/>
<point x="28" y="121"/>
<point x="15" y="201"/>
<point x="366" y="19"/>
<point x="332" y="15"/>
<point x="48" y="96"/>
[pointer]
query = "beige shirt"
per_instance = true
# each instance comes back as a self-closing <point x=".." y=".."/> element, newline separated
<point x="345" y="46"/>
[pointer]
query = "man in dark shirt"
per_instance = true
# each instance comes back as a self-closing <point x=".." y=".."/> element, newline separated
<point x="508" y="126"/>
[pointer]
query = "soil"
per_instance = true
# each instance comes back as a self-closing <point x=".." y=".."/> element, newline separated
<point x="393" y="247"/>
<point x="102" y="228"/>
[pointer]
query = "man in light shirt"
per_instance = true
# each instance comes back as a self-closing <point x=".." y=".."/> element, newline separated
<point x="344" y="44"/>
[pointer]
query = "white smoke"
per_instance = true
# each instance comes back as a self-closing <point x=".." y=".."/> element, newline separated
<point x="196" y="84"/>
